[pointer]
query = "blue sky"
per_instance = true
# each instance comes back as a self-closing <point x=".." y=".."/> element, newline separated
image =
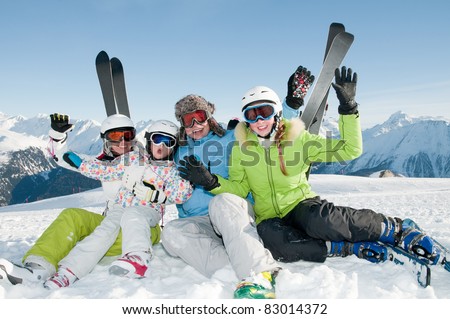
<point x="219" y="49"/>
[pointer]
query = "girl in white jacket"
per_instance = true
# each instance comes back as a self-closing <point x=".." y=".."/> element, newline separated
<point x="137" y="206"/>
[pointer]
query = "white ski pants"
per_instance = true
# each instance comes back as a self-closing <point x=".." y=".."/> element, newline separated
<point x="136" y="236"/>
<point x="227" y="236"/>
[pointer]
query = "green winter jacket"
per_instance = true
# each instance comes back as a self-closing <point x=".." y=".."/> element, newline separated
<point x="256" y="169"/>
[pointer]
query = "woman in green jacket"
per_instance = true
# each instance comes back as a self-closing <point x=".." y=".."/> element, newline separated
<point x="271" y="159"/>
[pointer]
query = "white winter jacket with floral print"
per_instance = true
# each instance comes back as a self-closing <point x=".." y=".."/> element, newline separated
<point x="164" y="177"/>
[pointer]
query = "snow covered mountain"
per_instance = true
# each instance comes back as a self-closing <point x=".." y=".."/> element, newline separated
<point x="413" y="147"/>
<point x="26" y="172"/>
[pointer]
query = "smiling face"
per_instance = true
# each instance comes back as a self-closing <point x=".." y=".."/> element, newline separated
<point x="120" y="148"/>
<point x="263" y="114"/>
<point x="262" y="127"/>
<point x="198" y="131"/>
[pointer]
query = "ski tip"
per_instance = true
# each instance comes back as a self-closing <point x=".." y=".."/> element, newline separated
<point x="115" y="60"/>
<point x="102" y="55"/>
<point x="337" y="25"/>
<point x="349" y="35"/>
<point x="116" y="65"/>
<point x="345" y="36"/>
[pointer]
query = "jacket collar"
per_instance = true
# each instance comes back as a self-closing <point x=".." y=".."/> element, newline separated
<point x="191" y="142"/>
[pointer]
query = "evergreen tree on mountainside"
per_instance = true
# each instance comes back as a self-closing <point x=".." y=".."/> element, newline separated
<point x="59" y="182"/>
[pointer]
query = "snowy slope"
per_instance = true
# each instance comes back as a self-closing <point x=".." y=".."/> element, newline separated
<point x="425" y="200"/>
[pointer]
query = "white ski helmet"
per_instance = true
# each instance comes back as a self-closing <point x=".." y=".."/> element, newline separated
<point x="166" y="128"/>
<point x="116" y="121"/>
<point x="163" y="126"/>
<point x="263" y="94"/>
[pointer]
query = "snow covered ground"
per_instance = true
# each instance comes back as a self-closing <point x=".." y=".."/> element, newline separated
<point x="425" y="200"/>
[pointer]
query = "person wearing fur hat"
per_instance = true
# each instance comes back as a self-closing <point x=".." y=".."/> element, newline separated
<point x="271" y="159"/>
<point x="194" y="109"/>
<point x="195" y="237"/>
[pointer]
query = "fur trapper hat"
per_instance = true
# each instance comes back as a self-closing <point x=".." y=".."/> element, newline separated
<point x="191" y="103"/>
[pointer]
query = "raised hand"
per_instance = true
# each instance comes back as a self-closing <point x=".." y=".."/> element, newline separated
<point x="60" y="123"/>
<point x="345" y="88"/>
<point x="297" y="87"/>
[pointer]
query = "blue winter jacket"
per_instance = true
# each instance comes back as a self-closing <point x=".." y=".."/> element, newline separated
<point x="213" y="151"/>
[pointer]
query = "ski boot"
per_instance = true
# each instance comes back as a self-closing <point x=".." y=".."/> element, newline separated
<point x="260" y="286"/>
<point x="443" y="259"/>
<point x="63" y="278"/>
<point x="17" y="274"/>
<point x="371" y="251"/>
<point x="131" y="265"/>
<point x="412" y="240"/>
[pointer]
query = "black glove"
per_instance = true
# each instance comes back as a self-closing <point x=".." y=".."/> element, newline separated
<point x="232" y="124"/>
<point x="297" y="87"/>
<point x="194" y="171"/>
<point x="345" y="88"/>
<point x="60" y="123"/>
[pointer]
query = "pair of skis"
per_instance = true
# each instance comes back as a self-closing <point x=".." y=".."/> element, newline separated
<point x="338" y="44"/>
<point x="112" y="83"/>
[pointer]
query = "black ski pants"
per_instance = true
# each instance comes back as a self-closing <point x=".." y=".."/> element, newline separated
<point x="302" y="233"/>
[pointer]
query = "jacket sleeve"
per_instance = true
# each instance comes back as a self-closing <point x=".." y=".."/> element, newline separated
<point x="288" y="112"/>
<point x="107" y="171"/>
<point x="237" y="182"/>
<point x="57" y="147"/>
<point x="177" y="189"/>
<point x="348" y="147"/>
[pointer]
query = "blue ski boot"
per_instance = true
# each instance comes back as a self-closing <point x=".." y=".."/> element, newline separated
<point x="410" y="239"/>
<point x="443" y="259"/>
<point x="371" y="251"/>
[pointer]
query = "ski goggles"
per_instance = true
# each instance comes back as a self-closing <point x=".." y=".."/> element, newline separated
<point x="160" y="138"/>
<point x="257" y="112"/>
<point x="199" y="116"/>
<point x="119" y="135"/>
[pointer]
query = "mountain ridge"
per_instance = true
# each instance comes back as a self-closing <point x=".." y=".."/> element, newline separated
<point x="412" y="147"/>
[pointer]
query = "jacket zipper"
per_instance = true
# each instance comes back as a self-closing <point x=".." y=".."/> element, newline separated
<point x="271" y="183"/>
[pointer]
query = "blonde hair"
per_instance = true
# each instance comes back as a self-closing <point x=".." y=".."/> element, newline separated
<point x="279" y="134"/>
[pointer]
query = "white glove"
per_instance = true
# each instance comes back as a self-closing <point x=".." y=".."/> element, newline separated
<point x="149" y="193"/>
<point x="132" y="175"/>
